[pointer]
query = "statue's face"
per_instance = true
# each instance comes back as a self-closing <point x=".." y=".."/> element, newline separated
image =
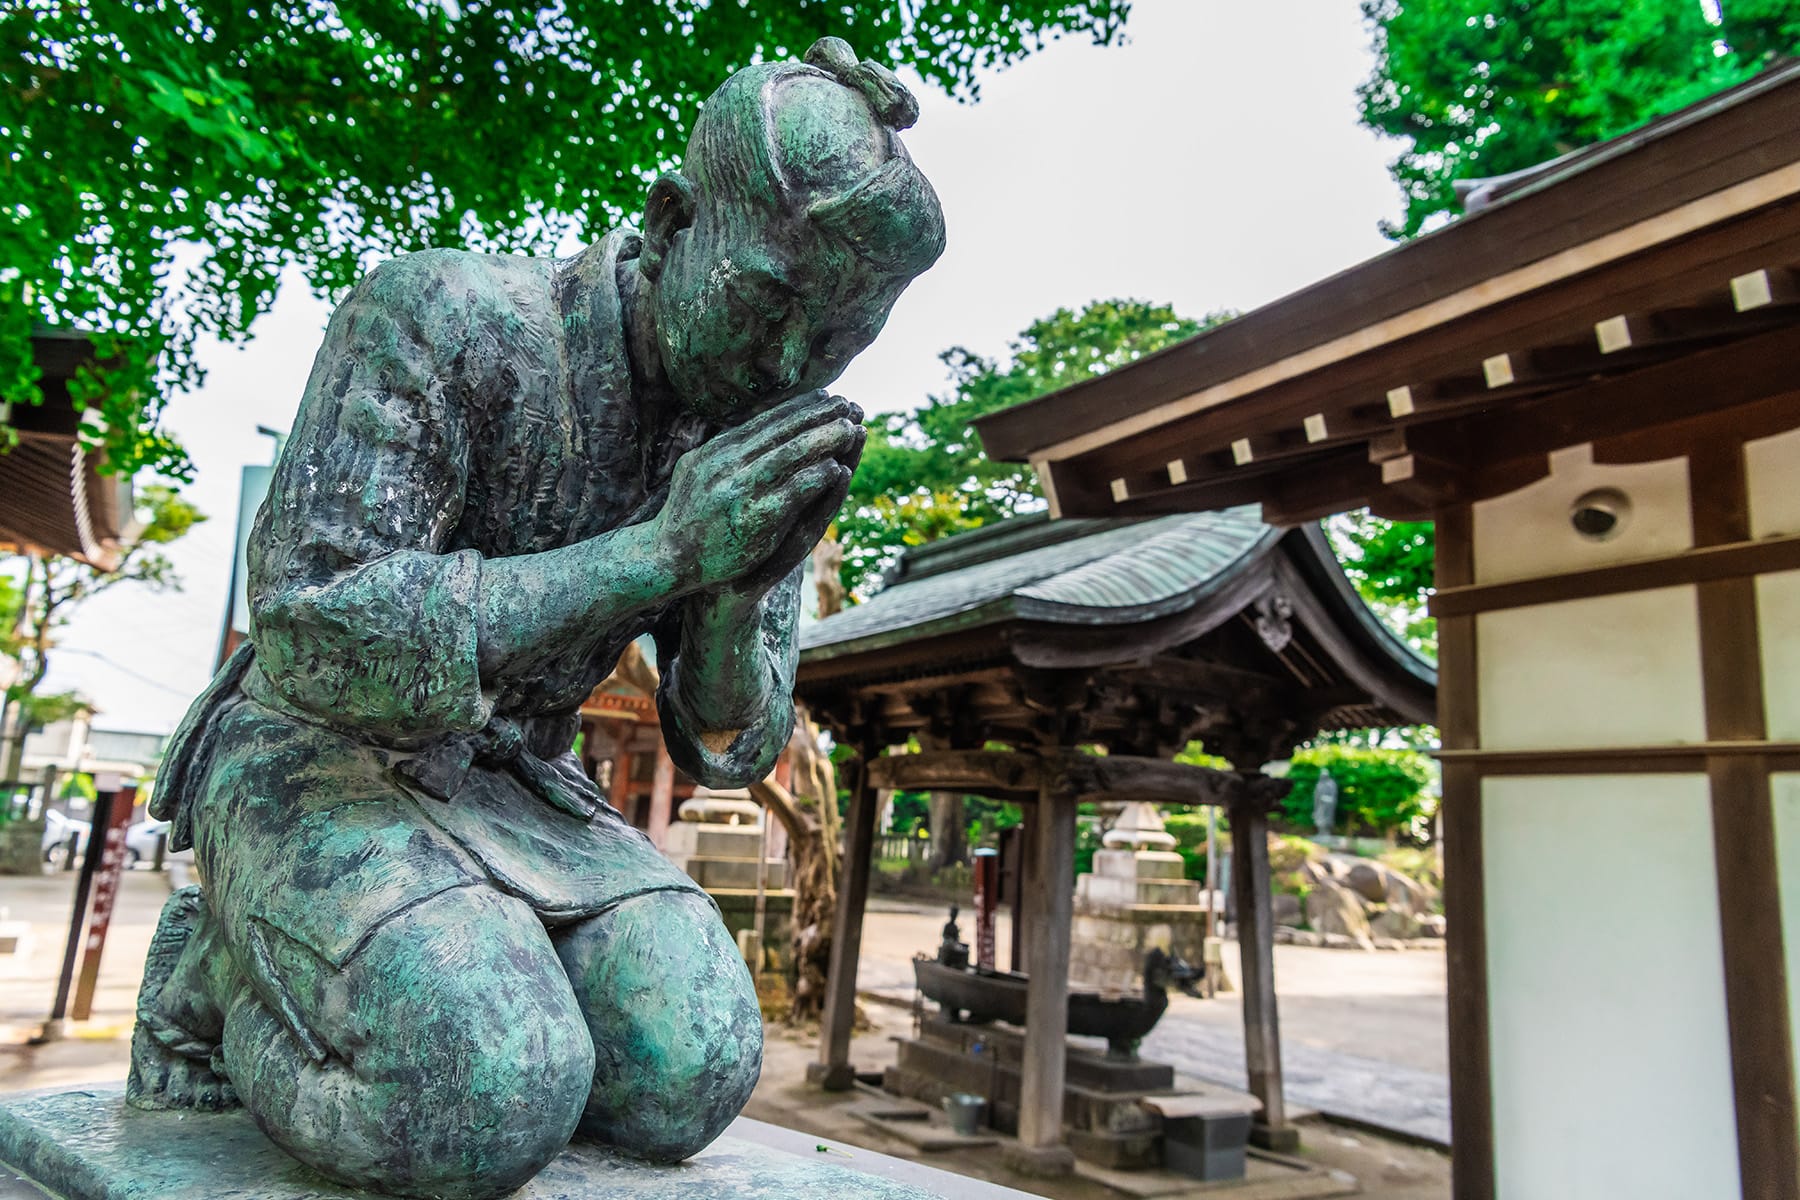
<point x="745" y="324"/>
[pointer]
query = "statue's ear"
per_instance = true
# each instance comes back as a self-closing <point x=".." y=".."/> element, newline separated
<point x="668" y="210"/>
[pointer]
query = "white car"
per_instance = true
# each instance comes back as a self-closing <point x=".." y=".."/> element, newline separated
<point x="58" y="829"/>
<point x="141" y="839"/>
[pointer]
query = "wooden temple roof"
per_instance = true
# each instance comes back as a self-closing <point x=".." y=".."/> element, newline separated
<point x="1618" y="290"/>
<point x="53" y="497"/>
<point x="1138" y="634"/>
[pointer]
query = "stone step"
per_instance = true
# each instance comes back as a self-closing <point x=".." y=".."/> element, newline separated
<point x="710" y="872"/>
<point x="687" y="838"/>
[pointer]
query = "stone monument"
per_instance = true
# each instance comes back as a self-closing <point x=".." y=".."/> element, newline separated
<point x="427" y="953"/>
<point x="1135" y="900"/>
<point x="718" y="842"/>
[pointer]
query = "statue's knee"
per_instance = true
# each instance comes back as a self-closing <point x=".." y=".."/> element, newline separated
<point x="502" y="1094"/>
<point x="676" y="1027"/>
<point x="459" y="1062"/>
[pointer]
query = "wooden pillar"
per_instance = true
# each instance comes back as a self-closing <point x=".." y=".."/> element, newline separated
<point x="833" y="1071"/>
<point x="620" y="789"/>
<point x="1024" y="914"/>
<point x="662" y="797"/>
<point x="1049" y="901"/>
<point x="1744" y="841"/>
<point x="1256" y="948"/>
<point x="1465" y="886"/>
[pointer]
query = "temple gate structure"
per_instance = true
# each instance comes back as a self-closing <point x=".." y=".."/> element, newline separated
<point x="1588" y="382"/>
<point x="1132" y="636"/>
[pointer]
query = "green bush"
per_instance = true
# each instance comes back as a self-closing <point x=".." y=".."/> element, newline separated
<point x="1087" y="840"/>
<point x="1379" y="791"/>
<point x="1189" y="831"/>
<point x="988" y="817"/>
<point x="911" y="810"/>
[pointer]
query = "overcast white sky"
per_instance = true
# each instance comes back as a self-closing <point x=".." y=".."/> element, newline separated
<point x="1213" y="161"/>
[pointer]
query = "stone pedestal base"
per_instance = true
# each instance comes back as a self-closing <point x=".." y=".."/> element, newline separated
<point x="1108" y="943"/>
<point x="87" y="1145"/>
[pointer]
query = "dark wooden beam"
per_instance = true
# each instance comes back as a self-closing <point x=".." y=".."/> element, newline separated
<point x="979" y="771"/>
<point x="834" y="1071"/>
<point x="1122" y="777"/>
<point x="1652" y="398"/>
<point x="1681" y="273"/>
<point x="1701" y="565"/>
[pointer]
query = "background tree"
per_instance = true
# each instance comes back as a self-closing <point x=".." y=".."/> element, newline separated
<point x="52" y="589"/>
<point x="1393" y="565"/>
<point x="924" y="474"/>
<point x="324" y="133"/>
<point x="1485" y="87"/>
<point x="809" y="814"/>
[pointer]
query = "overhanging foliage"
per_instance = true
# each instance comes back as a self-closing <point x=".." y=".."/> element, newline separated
<point x="325" y="134"/>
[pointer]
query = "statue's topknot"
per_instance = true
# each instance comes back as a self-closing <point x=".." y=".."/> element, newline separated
<point x="893" y="104"/>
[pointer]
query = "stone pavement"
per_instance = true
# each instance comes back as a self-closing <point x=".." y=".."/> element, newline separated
<point x="1383" y="1094"/>
<point x="1363" y="1033"/>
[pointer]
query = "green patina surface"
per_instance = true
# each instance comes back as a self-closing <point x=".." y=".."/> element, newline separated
<point x="95" y="1147"/>
<point x="427" y="953"/>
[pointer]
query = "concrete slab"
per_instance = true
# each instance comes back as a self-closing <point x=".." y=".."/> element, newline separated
<point x="1267" y="1178"/>
<point x="916" y="1125"/>
<point x="87" y="1145"/>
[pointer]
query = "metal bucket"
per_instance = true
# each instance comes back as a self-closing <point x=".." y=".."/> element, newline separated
<point x="965" y="1112"/>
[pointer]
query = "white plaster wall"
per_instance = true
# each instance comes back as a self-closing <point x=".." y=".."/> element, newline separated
<point x="1618" y="670"/>
<point x="1526" y="533"/>
<point x="1778" y="613"/>
<point x="1772" y="470"/>
<point x="1611" y="1064"/>
<point x="1786" y="788"/>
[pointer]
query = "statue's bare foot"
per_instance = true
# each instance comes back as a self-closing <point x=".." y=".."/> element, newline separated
<point x="164" y="1078"/>
<point x="174" y="1064"/>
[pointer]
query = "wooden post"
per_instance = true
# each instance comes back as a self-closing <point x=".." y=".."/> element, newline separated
<point x="833" y="1071"/>
<point x="1210" y="984"/>
<point x="1256" y="948"/>
<point x="986" y="871"/>
<point x="111" y="836"/>
<point x="1024" y="914"/>
<point x="662" y="797"/>
<point x="1050" y="901"/>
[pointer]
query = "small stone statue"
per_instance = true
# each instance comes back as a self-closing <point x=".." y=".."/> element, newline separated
<point x="1325" y="801"/>
<point x="953" y="951"/>
<point x="427" y="953"/>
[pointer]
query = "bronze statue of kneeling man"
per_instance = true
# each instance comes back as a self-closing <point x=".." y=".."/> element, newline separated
<point x="427" y="953"/>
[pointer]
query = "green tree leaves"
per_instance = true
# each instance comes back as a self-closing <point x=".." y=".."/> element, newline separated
<point x="1485" y="87"/>
<point x="924" y="474"/>
<point x="326" y="134"/>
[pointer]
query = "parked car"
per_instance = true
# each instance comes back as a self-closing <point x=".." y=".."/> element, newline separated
<point x="141" y="840"/>
<point x="58" y="829"/>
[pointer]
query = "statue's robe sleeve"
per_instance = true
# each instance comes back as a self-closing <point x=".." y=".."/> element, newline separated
<point x="359" y="616"/>
<point x="733" y="758"/>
